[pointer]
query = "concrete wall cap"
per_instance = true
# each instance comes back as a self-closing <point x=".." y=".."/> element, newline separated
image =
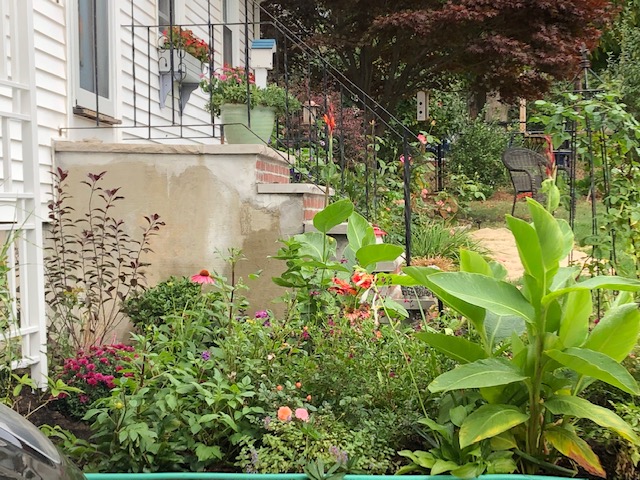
<point x="154" y="149"/>
<point x="292" y="188"/>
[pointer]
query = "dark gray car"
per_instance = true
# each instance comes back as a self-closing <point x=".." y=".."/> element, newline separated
<point x="25" y="452"/>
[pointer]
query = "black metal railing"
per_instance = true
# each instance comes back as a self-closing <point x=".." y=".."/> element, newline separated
<point x="369" y="141"/>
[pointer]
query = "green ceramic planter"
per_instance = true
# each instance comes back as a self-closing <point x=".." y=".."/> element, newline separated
<point x="235" y="120"/>
<point x="295" y="476"/>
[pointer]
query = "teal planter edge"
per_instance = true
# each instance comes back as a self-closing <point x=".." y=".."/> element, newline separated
<point x="295" y="476"/>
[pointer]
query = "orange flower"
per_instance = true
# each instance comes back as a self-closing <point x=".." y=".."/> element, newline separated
<point x="298" y="385"/>
<point x="342" y="287"/>
<point x="279" y="388"/>
<point x="284" y="414"/>
<point x="330" y="120"/>
<point x="362" y="279"/>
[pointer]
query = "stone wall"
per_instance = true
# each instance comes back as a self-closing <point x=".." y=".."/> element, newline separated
<point x="212" y="198"/>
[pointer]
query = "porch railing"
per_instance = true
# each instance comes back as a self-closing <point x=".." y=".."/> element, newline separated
<point x="368" y="138"/>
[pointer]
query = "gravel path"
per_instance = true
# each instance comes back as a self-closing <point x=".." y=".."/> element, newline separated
<point x="502" y="247"/>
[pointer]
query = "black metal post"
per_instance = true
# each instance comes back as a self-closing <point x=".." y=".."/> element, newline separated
<point x="407" y="198"/>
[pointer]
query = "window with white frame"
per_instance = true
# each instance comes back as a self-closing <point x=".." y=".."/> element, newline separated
<point x="229" y="17"/>
<point x="93" y="55"/>
<point x="166" y="14"/>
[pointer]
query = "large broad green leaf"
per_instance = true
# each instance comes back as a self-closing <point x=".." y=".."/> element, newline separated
<point x="550" y="235"/>
<point x="396" y="279"/>
<point x="581" y="408"/>
<point x="316" y="246"/>
<point x="424" y="459"/>
<point x="574" y="323"/>
<point x="496" y="296"/>
<point x="565" y="277"/>
<point x="458" y="348"/>
<point x="489" y="421"/>
<point x="473" y="262"/>
<point x="601" y="282"/>
<point x="473" y="313"/>
<point x="617" y="332"/>
<point x="528" y="247"/>
<point x="567" y="233"/>
<point x="572" y="446"/>
<point x="391" y="306"/>
<point x="332" y="215"/>
<point x="359" y="232"/>
<point x="482" y="373"/>
<point x="497" y="328"/>
<point x="446" y="432"/>
<point x="380" y="252"/>
<point x="469" y="471"/>
<point x="596" y="365"/>
<point x="442" y="466"/>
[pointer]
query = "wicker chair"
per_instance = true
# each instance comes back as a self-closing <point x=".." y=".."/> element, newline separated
<point x="527" y="170"/>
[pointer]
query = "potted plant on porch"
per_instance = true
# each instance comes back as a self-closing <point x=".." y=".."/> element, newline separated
<point x="233" y="92"/>
<point x="182" y="50"/>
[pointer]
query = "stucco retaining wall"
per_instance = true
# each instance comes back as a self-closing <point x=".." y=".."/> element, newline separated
<point x="209" y="198"/>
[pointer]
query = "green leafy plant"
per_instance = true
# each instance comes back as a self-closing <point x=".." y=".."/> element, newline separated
<point x="170" y="297"/>
<point x="608" y="139"/>
<point x="235" y="85"/>
<point x="530" y="384"/>
<point x="447" y="454"/>
<point x="311" y="257"/>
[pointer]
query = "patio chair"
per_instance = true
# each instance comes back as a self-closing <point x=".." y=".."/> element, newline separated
<point x="527" y="171"/>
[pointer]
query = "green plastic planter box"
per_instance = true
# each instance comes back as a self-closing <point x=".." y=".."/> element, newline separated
<point x="294" y="476"/>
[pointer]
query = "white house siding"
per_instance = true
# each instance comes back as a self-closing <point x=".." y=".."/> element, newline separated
<point x="49" y="23"/>
<point x="51" y="88"/>
<point x="142" y="107"/>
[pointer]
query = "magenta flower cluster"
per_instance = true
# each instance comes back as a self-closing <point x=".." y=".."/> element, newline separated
<point x="94" y="371"/>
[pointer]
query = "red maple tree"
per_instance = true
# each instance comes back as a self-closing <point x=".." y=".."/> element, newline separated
<point x="391" y="49"/>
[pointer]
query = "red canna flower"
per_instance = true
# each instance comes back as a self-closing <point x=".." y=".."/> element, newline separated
<point x="330" y="120"/>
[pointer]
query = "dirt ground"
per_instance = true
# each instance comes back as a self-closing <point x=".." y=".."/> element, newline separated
<point x="502" y="247"/>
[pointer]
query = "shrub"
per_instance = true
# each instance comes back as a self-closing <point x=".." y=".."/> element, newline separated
<point x="92" y="264"/>
<point x="477" y="153"/>
<point x="94" y="372"/>
<point x="170" y="297"/>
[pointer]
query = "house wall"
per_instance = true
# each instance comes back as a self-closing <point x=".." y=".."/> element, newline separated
<point x="209" y="198"/>
<point x="55" y="79"/>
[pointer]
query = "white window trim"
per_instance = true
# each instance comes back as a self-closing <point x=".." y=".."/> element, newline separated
<point x="234" y="17"/>
<point x="178" y="12"/>
<point x="81" y="97"/>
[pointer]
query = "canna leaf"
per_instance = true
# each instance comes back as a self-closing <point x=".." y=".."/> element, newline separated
<point x="332" y="215"/>
<point x="482" y="373"/>
<point x="581" y="408"/>
<point x="496" y="296"/>
<point x="574" y="323"/>
<point x="597" y="365"/>
<point x="359" y="232"/>
<point x="457" y="348"/>
<point x="617" y="332"/>
<point x="488" y="421"/>
<point x="380" y="252"/>
<point x="572" y="446"/>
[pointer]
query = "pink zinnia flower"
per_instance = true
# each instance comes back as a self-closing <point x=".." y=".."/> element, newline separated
<point x="302" y="414"/>
<point x="203" y="277"/>
<point x="422" y="139"/>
